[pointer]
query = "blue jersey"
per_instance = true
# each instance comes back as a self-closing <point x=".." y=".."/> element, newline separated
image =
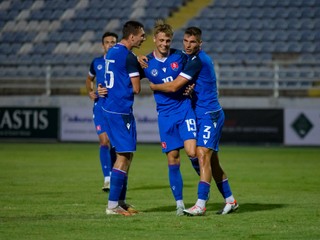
<point x="97" y="70"/>
<point x="121" y="65"/>
<point x="166" y="70"/>
<point x="200" y="68"/>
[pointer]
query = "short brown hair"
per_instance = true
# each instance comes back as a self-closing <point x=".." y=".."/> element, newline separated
<point x="131" y="27"/>
<point x="161" y="26"/>
<point x="194" y="31"/>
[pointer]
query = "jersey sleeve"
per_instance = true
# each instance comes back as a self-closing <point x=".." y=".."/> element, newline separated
<point x="92" y="71"/>
<point x="192" y="68"/>
<point x="133" y="66"/>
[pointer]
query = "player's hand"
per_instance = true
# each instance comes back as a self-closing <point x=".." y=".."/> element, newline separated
<point x="189" y="90"/>
<point x="151" y="85"/>
<point x="102" y="91"/>
<point x="143" y="61"/>
<point x="92" y="95"/>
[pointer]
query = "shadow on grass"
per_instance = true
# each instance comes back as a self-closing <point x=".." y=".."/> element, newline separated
<point x="244" y="207"/>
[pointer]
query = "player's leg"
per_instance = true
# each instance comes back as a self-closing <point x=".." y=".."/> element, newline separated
<point x="218" y="173"/>
<point x="190" y="148"/>
<point x="117" y="125"/>
<point x="104" y="149"/>
<point x="204" y="155"/>
<point x="171" y="142"/>
<point x="175" y="179"/>
<point x="105" y="159"/>
<point x="223" y="185"/>
<point x="188" y="132"/>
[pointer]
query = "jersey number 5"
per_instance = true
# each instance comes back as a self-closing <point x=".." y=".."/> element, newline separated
<point x="109" y="81"/>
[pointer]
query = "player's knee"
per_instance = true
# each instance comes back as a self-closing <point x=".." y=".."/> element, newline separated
<point x="104" y="142"/>
<point x="191" y="153"/>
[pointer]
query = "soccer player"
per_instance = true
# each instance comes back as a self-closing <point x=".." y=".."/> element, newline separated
<point x="122" y="82"/>
<point x="97" y="71"/>
<point x="176" y="118"/>
<point x="210" y="120"/>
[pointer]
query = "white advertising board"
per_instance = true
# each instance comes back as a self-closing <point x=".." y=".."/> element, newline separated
<point x="302" y="127"/>
<point x="76" y="124"/>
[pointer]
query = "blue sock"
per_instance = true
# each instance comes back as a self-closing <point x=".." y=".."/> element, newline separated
<point x="176" y="182"/>
<point x="203" y="190"/>
<point x="116" y="184"/>
<point x="224" y="188"/>
<point x="124" y="190"/>
<point x="105" y="160"/>
<point x="195" y="164"/>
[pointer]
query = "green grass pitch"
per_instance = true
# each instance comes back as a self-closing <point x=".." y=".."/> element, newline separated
<point x="53" y="191"/>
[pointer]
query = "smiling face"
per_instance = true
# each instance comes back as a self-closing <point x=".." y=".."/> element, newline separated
<point x="162" y="42"/>
<point x="191" y="44"/>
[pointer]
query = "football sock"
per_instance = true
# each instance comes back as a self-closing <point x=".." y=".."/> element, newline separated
<point x="105" y="160"/>
<point x="225" y="190"/>
<point x="203" y="190"/>
<point x="122" y="197"/>
<point x="180" y="203"/>
<point x="106" y="179"/>
<point x="195" y="165"/>
<point x="116" y="184"/>
<point x="201" y="203"/>
<point x="176" y="182"/>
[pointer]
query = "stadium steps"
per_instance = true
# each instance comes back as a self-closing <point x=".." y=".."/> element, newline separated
<point x="177" y="21"/>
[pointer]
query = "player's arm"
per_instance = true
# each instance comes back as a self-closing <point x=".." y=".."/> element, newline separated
<point x="134" y="71"/>
<point x="172" y="86"/>
<point x="143" y="61"/>
<point x="89" y="87"/>
<point x="136" y="85"/>
<point x="90" y="82"/>
<point x="190" y="70"/>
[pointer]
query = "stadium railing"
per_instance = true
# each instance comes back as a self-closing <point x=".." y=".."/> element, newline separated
<point x="273" y="79"/>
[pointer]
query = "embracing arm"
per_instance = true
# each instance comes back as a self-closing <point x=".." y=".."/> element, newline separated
<point x="173" y="86"/>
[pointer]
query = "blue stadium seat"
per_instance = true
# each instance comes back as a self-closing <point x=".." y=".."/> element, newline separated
<point x="294" y="47"/>
<point x="307" y="47"/>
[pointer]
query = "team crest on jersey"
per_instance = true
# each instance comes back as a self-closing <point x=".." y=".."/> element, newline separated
<point x="174" y="66"/>
<point x="98" y="128"/>
<point x="164" y="145"/>
<point x="154" y="72"/>
<point x="99" y="67"/>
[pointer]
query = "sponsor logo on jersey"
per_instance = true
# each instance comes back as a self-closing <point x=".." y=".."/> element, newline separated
<point x="174" y="66"/>
<point x="154" y="72"/>
<point x="99" y="67"/>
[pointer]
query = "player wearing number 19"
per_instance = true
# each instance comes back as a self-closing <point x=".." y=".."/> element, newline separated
<point x="122" y="82"/>
<point x="176" y="119"/>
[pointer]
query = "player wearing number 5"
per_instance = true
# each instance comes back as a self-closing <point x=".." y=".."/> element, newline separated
<point x="122" y="82"/>
<point x="176" y="119"/>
